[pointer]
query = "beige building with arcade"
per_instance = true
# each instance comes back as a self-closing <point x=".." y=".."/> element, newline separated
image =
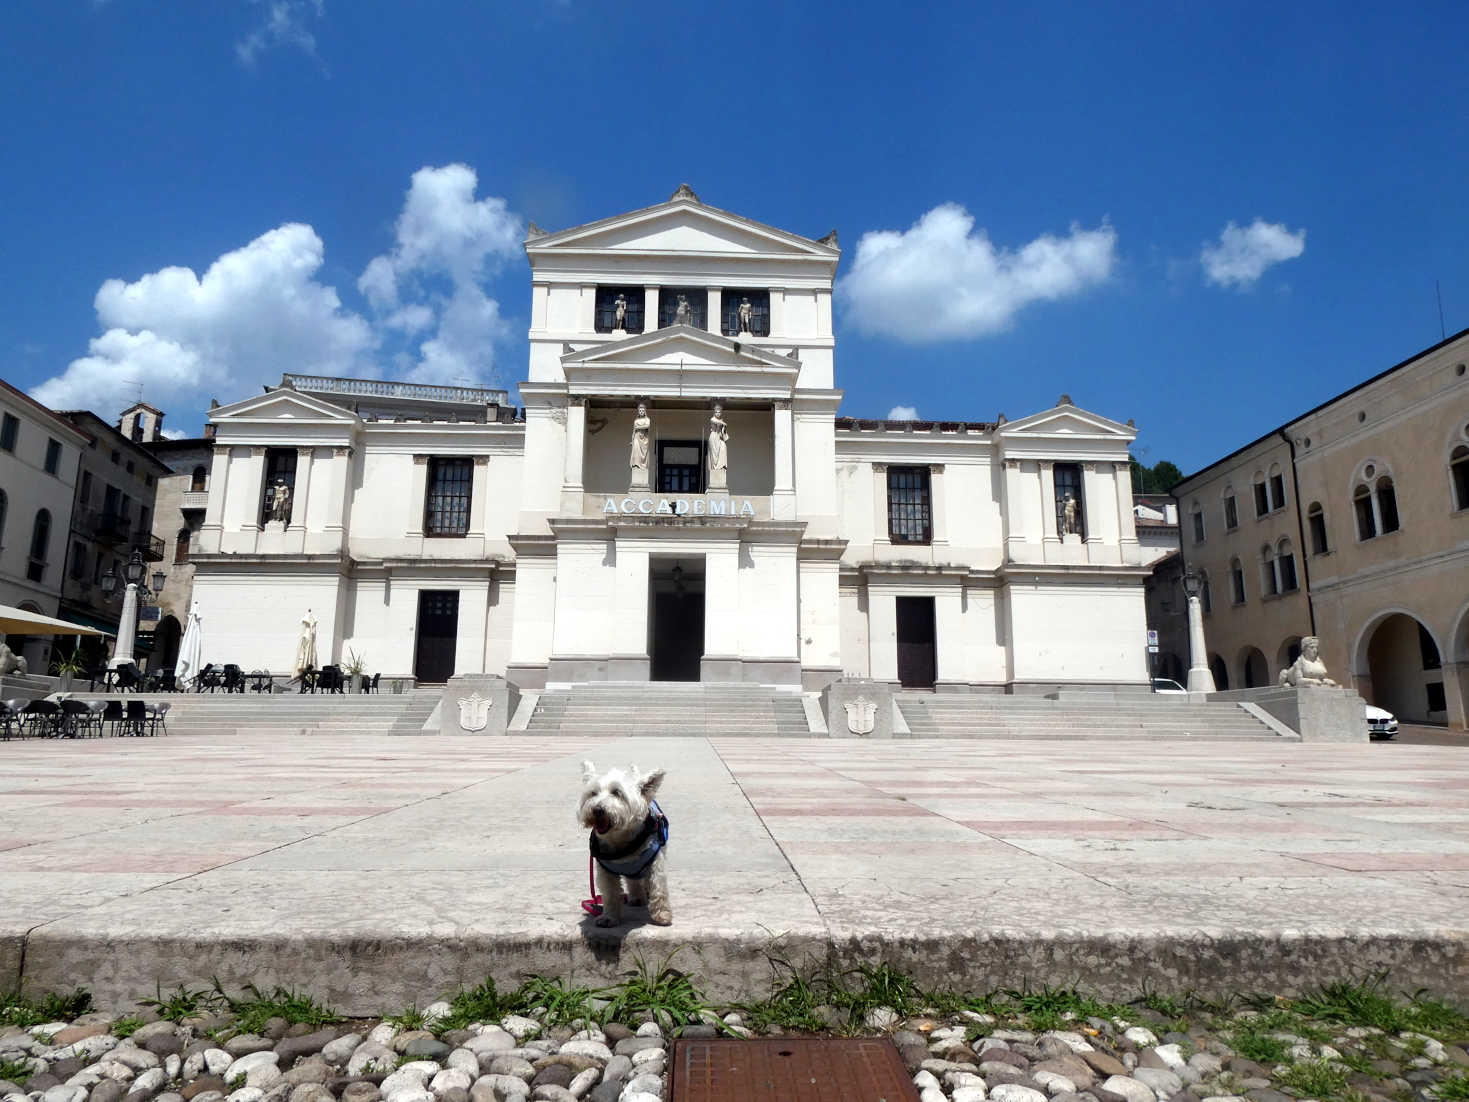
<point x="1350" y="522"/>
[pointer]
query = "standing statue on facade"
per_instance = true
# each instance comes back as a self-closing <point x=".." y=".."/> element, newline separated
<point x="718" y="450"/>
<point x="1307" y="669"/>
<point x="280" y="502"/>
<point x="682" y="315"/>
<point x="620" y="312"/>
<point x="642" y="429"/>
<point x="745" y="312"/>
<point x="1070" y="524"/>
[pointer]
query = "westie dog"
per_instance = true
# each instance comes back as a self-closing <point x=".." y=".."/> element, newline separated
<point x="629" y="832"/>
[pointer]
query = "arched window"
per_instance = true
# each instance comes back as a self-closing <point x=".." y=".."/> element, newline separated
<point x="1231" y="511"/>
<point x="1285" y="567"/>
<point x="1316" y="523"/>
<point x="1197" y="512"/>
<point x="1459" y="472"/>
<point x="196" y="480"/>
<point x="40" y="538"/>
<point x="1277" y="487"/>
<point x="1262" y="495"/>
<point x="181" y="546"/>
<point x="1206" y="596"/>
<point x="1387" y="505"/>
<point x="1366" y="515"/>
<point x="1236" y="581"/>
<point x="4" y="508"/>
<point x="1269" y="580"/>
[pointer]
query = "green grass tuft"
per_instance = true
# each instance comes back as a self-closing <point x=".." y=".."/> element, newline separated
<point x="15" y="1071"/>
<point x="16" y="1009"/>
<point x="410" y="1018"/>
<point x="125" y="1027"/>
<point x="1253" y="1044"/>
<point x="1453" y="1087"/>
<point x="667" y="995"/>
<point x="253" y="1009"/>
<point x="183" y="1003"/>
<point x="1314" y="1079"/>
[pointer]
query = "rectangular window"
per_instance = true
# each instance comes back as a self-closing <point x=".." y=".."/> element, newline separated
<point x="86" y="487"/>
<point x="1262" y="500"/>
<point x="9" y="430"/>
<point x="696" y="300"/>
<point x="679" y="467"/>
<point x="632" y="309"/>
<point x="731" y="304"/>
<point x="1198" y="527"/>
<point x="1231" y="514"/>
<point x="78" y="560"/>
<point x="1287" y="573"/>
<point x="1277" y="491"/>
<point x="1067" y="480"/>
<point x="446" y="507"/>
<point x="53" y="456"/>
<point x="910" y="517"/>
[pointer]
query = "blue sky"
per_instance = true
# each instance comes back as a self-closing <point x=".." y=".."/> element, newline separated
<point x="1049" y="190"/>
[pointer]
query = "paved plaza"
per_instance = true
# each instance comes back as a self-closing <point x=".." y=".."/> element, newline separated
<point x="374" y="870"/>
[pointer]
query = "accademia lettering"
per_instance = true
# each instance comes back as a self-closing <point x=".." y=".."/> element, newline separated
<point x="679" y="506"/>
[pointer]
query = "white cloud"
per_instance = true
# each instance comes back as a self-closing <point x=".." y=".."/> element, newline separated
<point x="285" y="24"/>
<point x="1243" y="253"/>
<point x="903" y="413"/>
<point x="256" y="312"/>
<point x="448" y="242"/>
<point x="943" y="280"/>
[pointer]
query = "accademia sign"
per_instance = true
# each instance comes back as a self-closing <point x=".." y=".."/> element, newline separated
<point x="679" y="507"/>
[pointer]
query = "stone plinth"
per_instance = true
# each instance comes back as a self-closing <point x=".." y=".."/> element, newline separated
<point x="858" y="708"/>
<point x="477" y="704"/>
<point x="1318" y="713"/>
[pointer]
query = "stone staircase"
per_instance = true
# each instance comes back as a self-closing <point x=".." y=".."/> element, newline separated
<point x="669" y="708"/>
<point x="1162" y="718"/>
<point x="228" y="714"/>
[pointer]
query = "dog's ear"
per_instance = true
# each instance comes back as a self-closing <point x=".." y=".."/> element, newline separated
<point x="588" y="771"/>
<point x="648" y="785"/>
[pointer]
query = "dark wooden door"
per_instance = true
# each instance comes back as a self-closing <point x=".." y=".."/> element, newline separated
<point x="917" y="666"/>
<point x="678" y="636"/>
<point x="438" y="630"/>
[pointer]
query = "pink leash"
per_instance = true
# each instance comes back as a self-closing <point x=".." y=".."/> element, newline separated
<point x="592" y="906"/>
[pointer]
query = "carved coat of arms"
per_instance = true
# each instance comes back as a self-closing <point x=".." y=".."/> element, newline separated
<point x="474" y="712"/>
<point x="861" y="716"/>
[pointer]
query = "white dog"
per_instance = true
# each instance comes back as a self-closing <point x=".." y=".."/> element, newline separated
<point x="629" y="832"/>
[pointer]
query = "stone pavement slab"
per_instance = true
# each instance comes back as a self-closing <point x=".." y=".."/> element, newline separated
<point x="368" y="870"/>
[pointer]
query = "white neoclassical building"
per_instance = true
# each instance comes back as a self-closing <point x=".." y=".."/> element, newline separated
<point x="678" y="500"/>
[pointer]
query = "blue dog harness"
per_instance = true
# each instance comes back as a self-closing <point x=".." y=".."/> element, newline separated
<point x="632" y="860"/>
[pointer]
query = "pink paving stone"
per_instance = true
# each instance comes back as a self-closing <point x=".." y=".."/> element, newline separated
<point x="1118" y="827"/>
<point x="890" y="809"/>
<point x="183" y="862"/>
<point x="135" y="801"/>
<point x="315" y="809"/>
<point x="14" y="843"/>
<point x="1391" y="862"/>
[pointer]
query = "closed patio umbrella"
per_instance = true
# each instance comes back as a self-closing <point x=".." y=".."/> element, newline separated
<point x="191" y="651"/>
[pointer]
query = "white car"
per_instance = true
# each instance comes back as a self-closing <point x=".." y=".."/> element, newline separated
<point x="1381" y="724"/>
<point x="1164" y="685"/>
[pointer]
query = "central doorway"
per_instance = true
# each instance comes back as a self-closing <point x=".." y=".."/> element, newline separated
<point x="676" y="618"/>
<point x="917" y="665"/>
<point x="438" y="634"/>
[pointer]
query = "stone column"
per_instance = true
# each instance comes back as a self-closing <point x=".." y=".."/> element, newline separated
<point x="1016" y="513"/>
<point x="127" y="629"/>
<point x="1049" y="534"/>
<point x="629" y="658"/>
<point x="417" y="496"/>
<point x="219" y="484"/>
<point x="650" y="309"/>
<point x="715" y="318"/>
<point x="576" y="441"/>
<point x="783" y="503"/>
<point x="254" y="484"/>
<point x="301" y="495"/>
<point x="586" y="308"/>
<point x="1126" y="520"/>
<point x="1094" y="520"/>
<point x="882" y="635"/>
<point x="334" y="524"/>
<point x="1200" y="680"/>
<point x="722" y="613"/>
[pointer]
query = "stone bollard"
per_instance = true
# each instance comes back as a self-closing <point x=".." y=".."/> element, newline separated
<point x="858" y="708"/>
<point x="477" y="704"/>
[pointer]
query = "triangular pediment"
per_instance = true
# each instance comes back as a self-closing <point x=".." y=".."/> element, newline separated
<point x="1066" y="421"/>
<point x="678" y="344"/>
<point x="281" y="405"/>
<point x="682" y="226"/>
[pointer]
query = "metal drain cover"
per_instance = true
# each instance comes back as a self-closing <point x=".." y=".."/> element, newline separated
<point x="790" y="1069"/>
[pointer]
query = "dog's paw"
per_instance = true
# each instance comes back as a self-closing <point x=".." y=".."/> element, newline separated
<point x="663" y="917"/>
<point x="606" y="920"/>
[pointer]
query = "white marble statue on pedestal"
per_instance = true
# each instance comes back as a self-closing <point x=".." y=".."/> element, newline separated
<point x="280" y="502"/>
<point x="718" y="450"/>
<point x="682" y="315"/>
<point x="745" y="312"/>
<point x="642" y="429"/>
<point x="620" y="308"/>
<point x="1070" y="525"/>
<point x="1307" y="669"/>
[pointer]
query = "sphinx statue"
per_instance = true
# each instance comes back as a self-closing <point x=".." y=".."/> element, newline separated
<point x="1307" y="669"/>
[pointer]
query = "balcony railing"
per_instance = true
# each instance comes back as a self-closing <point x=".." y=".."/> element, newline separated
<point x="194" y="499"/>
<point x="110" y="529"/>
<point x="384" y="388"/>
<point x="149" y="545"/>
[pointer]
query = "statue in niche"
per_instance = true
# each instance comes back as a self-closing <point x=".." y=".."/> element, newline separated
<point x="619" y="305"/>
<point x="745" y="311"/>
<point x="1070" y="521"/>
<point x="642" y="430"/>
<point x="682" y="315"/>
<point x="718" y="449"/>
<point x="280" y="501"/>
<point x="1307" y="669"/>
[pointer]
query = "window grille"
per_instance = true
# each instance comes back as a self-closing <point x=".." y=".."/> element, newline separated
<point x="759" y="311"/>
<point x="680" y="467"/>
<point x="633" y="299"/>
<point x="280" y="463"/>
<point x="181" y="547"/>
<point x="446" y="509"/>
<point x="1067" y="479"/>
<point x="196" y="480"/>
<point x="910" y="518"/>
<point x="40" y="538"/>
<point x="1198" y="527"/>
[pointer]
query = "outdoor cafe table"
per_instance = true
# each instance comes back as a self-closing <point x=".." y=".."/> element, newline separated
<point x="261" y="681"/>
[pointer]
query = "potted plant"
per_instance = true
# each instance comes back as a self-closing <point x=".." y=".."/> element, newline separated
<point x="67" y="666"/>
<point x="354" y="668"/>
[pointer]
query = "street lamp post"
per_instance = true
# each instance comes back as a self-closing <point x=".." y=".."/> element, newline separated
<point x="127" y="627"/>
<point x="1200" y="679"/>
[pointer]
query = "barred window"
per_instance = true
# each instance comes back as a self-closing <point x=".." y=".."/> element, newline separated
<point x="1067" y="479"/>
<point x="280" y="468"/>
<point x="632" y="302"/>
<point x="446" y="507"/>
<point x="698" y="302"/>
<point x="910" y="518"/>
<point x="759" y="301"/>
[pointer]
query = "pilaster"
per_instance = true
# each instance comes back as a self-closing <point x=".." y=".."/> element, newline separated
<point x="1048" y="502"/>
<point x="418" y="496"/>
<point x="1016" y="513"/>
<point x="479" y="493"/>
<point x="938" y="505"/>
<point x="1096" y="521"/>
<point x="880" y="531"/>
<point x="650" y="309"/>
<point x="716" y="313"/>
<point x="301" y="498"/>
<point x="783" y="498"/>
<point x="576" y="439"/>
